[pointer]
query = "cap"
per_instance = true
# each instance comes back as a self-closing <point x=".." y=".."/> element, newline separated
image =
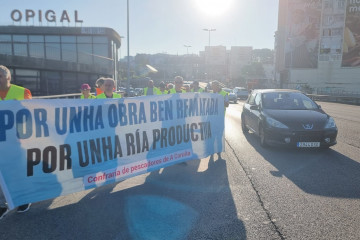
<point x="85" y="86"/>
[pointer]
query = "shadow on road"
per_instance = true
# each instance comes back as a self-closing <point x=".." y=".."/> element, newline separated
<point x="177" y="202"/>
<point x="324" y="172"/>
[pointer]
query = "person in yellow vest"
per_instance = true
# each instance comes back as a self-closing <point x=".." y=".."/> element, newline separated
<point x="10" y="91"/>
<point x="85" y="90"/>
<point x="150" y="89"/>
<point x="99" y="86"/>
<point x="178" y="81"/>
<point x="216" y="88"/>
<point x="162" y="88"/>
<point x="196" y="88"/>
<point x="109" y="85"/>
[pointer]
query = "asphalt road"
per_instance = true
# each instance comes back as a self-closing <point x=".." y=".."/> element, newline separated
<point x="247" y="193"/>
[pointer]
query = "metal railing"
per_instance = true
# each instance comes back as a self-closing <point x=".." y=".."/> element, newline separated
<point x="336" y="98"/>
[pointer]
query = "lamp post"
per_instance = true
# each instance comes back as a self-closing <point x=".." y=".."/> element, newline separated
<point x="187" y="49"/>
<point x="128" y="53"/>
<point x="209" y="30"/>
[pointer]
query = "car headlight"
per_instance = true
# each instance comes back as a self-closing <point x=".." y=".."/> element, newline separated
<point x="274" y="123"/>
<point x="330" y="123"/>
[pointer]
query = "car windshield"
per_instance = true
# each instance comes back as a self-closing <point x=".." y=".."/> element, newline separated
<point x="287" y="101"/>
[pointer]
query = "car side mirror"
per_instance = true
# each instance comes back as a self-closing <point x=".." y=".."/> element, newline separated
<point x="254" y="107"/>
<point x="319" y="106"/>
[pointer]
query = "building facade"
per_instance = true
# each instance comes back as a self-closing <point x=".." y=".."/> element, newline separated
<point x="317" y="45"/>
<point x="57" y="60"/>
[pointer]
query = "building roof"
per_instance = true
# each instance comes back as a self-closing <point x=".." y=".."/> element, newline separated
<point x="37" y="30"/>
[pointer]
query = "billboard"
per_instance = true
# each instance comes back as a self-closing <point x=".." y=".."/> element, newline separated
<point x="303" y="33"/>
<point x="351" y="43"/>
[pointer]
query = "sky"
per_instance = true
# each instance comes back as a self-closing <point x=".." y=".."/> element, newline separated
<point x="165" y="26"/>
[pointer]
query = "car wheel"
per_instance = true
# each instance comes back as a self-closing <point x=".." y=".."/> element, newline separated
<point x="243" y="126"/>
<point x="235" y="101"/>
<point x="262" y="137"/>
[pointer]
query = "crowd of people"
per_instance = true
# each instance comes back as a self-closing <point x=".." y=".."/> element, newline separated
<point x="105" y="88"/>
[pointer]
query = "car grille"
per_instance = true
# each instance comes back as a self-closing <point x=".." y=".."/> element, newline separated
<point x="308" y="136"/>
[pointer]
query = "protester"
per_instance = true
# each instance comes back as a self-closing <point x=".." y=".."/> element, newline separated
<point x="162" y="88"/>
<point x="10" y="91"/>
<point x="216" y="88"/>
<point x="99" y="86"/>
<point x="169" y="87"/>
<point x="187" y="88"/>
<point x="196" y="87"/>
<point x="109" y="85"/>
<point x="150" y="89"/>
<point x="178" y="81"/>
<point x="85" y="90"/>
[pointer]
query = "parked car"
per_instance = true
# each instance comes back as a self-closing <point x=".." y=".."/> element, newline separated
<point x="232" y="95"/>
<point x="241" y="92"/>
<point x="287" y="118"/>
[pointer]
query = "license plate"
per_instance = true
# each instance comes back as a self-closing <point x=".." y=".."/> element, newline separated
<point x="308" y="144"/>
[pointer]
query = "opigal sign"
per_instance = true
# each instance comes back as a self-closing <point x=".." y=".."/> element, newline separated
<point x="48" y="16"/>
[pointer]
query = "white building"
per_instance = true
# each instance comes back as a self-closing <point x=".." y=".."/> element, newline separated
<point x="316" y="45"/>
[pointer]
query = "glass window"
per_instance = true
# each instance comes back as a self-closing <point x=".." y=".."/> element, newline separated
<point x="68" y="39"/>
<point x="5" y="38"/>
<point x="20" y="38"/>
<point x="85" y="53"/>
<point x="36" y="38"/>
<point x="100" y="39"/>
<point x="101" y="54"/>
<point x="84" y="78"/>
<point x="252" y="99"/>
<point x="5" y="48"/>
<point x="51" y="83"/>
<point x="69" y="52"/>
<point x="36" y="50"/>
<point x="52" y="39"/>
<point x="27" y="72"/>
<point x="53" y="51"/>
<point x="20" y="49"/>
<point x="258" y="99"/>
<point x="70" y="83"/>
<point x="84" y="39"/>
<point x="29" y="79"/>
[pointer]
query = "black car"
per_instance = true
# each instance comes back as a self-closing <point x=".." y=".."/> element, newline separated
<point x="287" y="118"/>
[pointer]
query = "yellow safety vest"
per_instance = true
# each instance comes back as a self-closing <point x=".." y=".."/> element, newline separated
<point x="15" y="93"/>
<point x="115" y="95"/>
<point x="224" y="94"/>
<point x="90" y="96"/>
<point x="174" y="91"/>
<point x="199" y="90"/>
<point x="156" y="91"/>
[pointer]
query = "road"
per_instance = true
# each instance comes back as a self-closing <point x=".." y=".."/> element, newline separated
<point x="246" y="193"/>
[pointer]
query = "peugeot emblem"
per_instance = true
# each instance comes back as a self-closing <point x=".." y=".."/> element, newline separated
<point x="308" y="126"/>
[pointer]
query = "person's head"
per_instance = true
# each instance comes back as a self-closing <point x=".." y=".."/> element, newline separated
<point x="5" y="76"/>
<point x="178" y="83"/>
<point x="150" y="83"/>
<point x="109" y="85"/>
<point x="187" y="87"/>
<point x="215" y="86"/>
<point x="195" y="84"/>
<point x="162" y="86"/>
<point x="85" y="89"/>
<point x="170" y="86"/>
<point x="100" y="83"/>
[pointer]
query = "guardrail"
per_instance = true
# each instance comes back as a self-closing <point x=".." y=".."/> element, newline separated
<point x="70" y="95"/>
<point x="315" y="97"/>
<point x="338" y="99"/>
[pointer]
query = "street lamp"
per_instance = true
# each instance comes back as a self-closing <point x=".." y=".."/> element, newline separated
<point x="209" y="30"/>
<point x="128" y="52"/>
<point x="187" y="49"/>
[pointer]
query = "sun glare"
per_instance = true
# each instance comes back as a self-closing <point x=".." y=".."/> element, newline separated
<point x="214" y="7"/>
